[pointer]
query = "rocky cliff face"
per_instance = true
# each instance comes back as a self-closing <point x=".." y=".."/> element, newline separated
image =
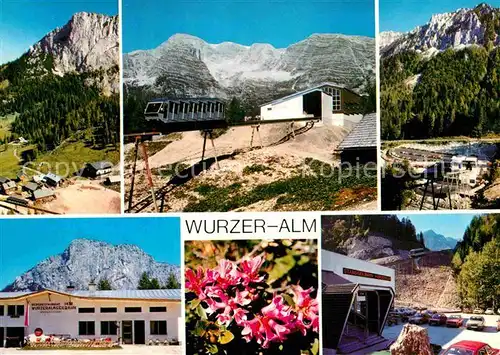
<point x="369" y="247"/>
<point x="88" y="42"/>
<point x="386" y="38"/>
<point x="463" y="27"/>
<point x="187" y="65"/>
<point x="87" y="260"/>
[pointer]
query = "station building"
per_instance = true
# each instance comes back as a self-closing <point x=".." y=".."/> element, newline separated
<point x="128" y="317"/>
<point x="356" y="299"/>
<point x="334" y="103"/>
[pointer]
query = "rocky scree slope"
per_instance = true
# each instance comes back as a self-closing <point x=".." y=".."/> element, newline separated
<point x="187" y="65"/>
<point x="84" y="261"/>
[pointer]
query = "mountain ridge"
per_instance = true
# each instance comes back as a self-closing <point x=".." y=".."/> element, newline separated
<point x="188" y="65"/>
<point x="85" y="261"/>
<point x="456" y="29"/>
<point x="435" y="241"/>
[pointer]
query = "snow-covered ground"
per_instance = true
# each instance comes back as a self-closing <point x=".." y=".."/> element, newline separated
<point x="445" y="337"/>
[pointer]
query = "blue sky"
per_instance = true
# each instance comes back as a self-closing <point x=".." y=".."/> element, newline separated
<point x="405" y="15"/>
<point x="449" y="225"/>
<point x="26" y="242"/>
<point x="23" y="23"/>
<point x="148" y="23"/>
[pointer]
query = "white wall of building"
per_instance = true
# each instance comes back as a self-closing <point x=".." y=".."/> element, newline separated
<point x="326" y="109"/>
<point x="66" y="321"/>
<point x="292" y="108"/>
<point x="337" y="262"/>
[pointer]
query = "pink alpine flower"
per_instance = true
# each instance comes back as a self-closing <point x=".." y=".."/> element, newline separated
<point x="307" y="309"/>
<point x="229" y="290"/>
<point x="195" y="282"/>
<point x="250" y="270"/>
<point x="226" y="274"/>
<point x="273" y="325"/>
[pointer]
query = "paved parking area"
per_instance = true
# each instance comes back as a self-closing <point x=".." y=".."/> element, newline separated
<point x="126" y="350"/>
<point x="445" y="337"/>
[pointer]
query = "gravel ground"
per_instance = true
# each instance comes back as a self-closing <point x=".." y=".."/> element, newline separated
<point x="447" y="336"/>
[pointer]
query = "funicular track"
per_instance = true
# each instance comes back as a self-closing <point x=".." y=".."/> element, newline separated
<point x="191" y="172"/>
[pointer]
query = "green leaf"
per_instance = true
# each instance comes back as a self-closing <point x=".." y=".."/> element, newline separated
<point x="200" y="328"/>
<point x="194" y="303"/>
<point x="304" y="259"/>
<point x="212" y="349"/>
<point x="288" y="299"/>
<point x="201" y="312"/>
<point x="282" y="267"/>
<point x="315" y="347"/>
<point x="225" y="337"/>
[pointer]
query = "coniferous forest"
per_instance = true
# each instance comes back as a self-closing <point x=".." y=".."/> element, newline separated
<point x="52" y="108"/>
<point x="454" y="93"/>
<point x="476" y="262"/>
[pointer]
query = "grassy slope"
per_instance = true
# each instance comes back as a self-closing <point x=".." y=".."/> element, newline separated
<point x="5" y="122"/>
<point x="65" y="160"/>
<point x="9" y="163"/>
<point x="71" y="157"/>
<point x="313" y="192"/>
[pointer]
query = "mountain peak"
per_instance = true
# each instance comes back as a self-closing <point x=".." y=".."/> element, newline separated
<point x="86" y="260"/>
<point x="436" y="241"/>
<point x="455" y="30"/>
<point x="189" y="66"/>
<point x="87" y="42"/>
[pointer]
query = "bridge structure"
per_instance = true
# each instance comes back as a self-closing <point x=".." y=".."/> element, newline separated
<point x="167" y="116"/>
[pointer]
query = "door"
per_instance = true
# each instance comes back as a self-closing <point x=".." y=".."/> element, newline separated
<point x="127" y="332"/>
<point x="1" y="337"/>
<point x="139" y="332"/>
<point x="14" y="337"/>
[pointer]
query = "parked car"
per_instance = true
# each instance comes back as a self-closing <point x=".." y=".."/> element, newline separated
<point x="438" y="319"/>
<point x="478" y="311"/>
<point x="475" y="323"/>
<point x="455" y="320"/>
<point x="489" y="311"/>
<point x="498" y="325"/>
<point x="468" y="347"/>
<point x="409" y="311"/>
<point x="418" y="318"/>
<point x="429" y="312"/>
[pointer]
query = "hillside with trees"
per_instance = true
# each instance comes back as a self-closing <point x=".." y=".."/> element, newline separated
<point x="443" y="78"/>
<point x="51" y="108"/>
<point x="477" y="263"/>
<point x="453" y="93"/>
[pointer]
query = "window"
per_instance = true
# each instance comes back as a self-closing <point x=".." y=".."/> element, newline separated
<point x="153" y="107"/>
<point x="15" y="310"/>
<point x="133" y="309"/>
<point x="157" y="309"/>
<point x="1" y="310"/>
<point x="108" y="310"/>
<point x="158" y="327"/>
<point x="86" y="328"/>
<point x="109" y="328"/>
<point x="86" y="310"/>
<point x="269" y="108"/>
<point x="335" y="94"/>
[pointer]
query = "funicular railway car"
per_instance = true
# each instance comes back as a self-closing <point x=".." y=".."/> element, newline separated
<point x="185" y="109"/>
<point x="418" y="252"/>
